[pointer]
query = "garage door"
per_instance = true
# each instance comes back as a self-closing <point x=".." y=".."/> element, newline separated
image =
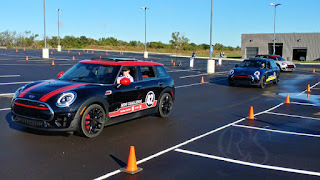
<point x="251" y="52"/>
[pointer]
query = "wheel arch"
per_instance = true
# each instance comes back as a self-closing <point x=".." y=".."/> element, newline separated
<point x="93" y="100"/>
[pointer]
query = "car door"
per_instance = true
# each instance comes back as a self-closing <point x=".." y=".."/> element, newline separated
<point x="270" y="71"/>
<point x="127" y="98"/>
<point x="151" y="83"/>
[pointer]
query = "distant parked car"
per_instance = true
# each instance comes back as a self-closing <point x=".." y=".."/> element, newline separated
<point x="281" y="63"/>
<point x="254" y="71"/>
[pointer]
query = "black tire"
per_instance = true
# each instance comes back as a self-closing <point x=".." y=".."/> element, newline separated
<point x="165" y="105"/>
<point x="276" y="81"/>
<point x="263" y="82"/>
<point x="92" y="121"/>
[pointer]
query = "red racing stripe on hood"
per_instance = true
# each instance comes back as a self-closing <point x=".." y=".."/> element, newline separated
<point x="32" y="87"/>
<point x="57" y="91"/>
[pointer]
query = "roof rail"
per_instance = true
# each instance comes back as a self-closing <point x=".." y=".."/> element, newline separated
<point x="114" y="59"/>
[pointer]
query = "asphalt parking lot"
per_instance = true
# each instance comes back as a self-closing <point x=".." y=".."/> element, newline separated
<point x="207" y="135"/>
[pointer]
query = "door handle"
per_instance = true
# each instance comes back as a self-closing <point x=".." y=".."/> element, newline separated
<point x="138" y="87"/>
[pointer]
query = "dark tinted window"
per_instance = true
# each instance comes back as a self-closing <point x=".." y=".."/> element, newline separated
<point x="147" y="72"/>
<point x="161" y="71"/>
<point x="91" y="73"/>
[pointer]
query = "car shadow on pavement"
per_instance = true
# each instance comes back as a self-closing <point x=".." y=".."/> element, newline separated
<point x="33" y="131"/>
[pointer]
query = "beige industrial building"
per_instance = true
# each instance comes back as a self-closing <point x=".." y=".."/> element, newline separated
<point x="291" y="46"/>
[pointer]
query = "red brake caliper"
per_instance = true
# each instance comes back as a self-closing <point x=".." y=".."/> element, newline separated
<point x="87" y="122"/>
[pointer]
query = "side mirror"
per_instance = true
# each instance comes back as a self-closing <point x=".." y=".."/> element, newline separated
<point x="125" y="81"/>
<point x="237" y="65"/>
<point x="60" y="74"/>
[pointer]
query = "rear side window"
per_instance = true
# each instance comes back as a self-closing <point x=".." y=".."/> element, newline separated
<point x="161" y="71"/>
<point x="147" y="72"/>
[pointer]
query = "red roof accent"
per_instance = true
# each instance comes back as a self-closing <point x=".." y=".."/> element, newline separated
<point x="269" y="55"/>
<point x="32" y="87"/>
<point x="121" y="63"/>
<point x="57" y="91"/>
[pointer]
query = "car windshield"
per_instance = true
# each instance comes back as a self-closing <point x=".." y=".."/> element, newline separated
<point x="252" y="64"/>
<point x="91" y="73"/>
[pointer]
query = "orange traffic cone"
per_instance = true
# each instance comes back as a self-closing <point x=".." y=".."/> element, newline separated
<point x="24" y="49"/>
<point x="314" y="70"/>
<point x="51" y="52"/>
<point x="16" y="50"/>
<point x="100" y="57"/>
<point x="92" y="51"/>
<point x="132" y="163"/>
<point x="79" y="53"/>
<point x="6" y="48"/>
<point x="287" y="99"/>
<point x="308" y="89"/>
<point x="251" y="114"/>
<point x="27" y="58"/>
<point x="202" y="80"/>
<point x="308" y="95"/>
<point x="68" y="50"/>
<point x="87" y="51"/>
<point x="174" y="63"/>
<point x="73" y="58"/>
<point x="52" y="63"/>
<point x="217" y="64"/>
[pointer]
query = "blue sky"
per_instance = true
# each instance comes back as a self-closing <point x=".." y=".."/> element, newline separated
<point x="124" y="20"/>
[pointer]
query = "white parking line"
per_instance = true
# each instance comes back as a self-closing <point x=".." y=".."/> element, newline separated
<point x="305" y="104"/>
<point x="5" y="109"/>
<point x="310" y="88"/>
<point x="184" y="70"/>
<point x="188" y="85"/>
<point x="9" y="75"/>
<point x="289" y="115"/>
<point x="184" y="143"/>
<point x="26" y="82"/>
<point x="299" y="171"/>
<point x="277" y="131"/>
<point x="7" y="94"/>
<point x="182" y="77"/>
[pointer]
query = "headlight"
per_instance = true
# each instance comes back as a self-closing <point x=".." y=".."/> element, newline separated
<point x="283" y="64"/>
<point x="66" y="99"/>
<point x="257" y="74"/>
<point x="231" y="72"/>
<point x="18" y="91"/>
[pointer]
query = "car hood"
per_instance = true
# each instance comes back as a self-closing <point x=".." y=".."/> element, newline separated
<point x="246" y="71"/>
<point x="287" y="62"/>
<point x="44" y="90"/>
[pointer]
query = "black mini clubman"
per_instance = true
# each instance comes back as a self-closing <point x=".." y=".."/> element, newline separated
<point x="93" y="94"/>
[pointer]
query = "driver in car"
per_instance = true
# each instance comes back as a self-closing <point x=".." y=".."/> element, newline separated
<point x="125" y="74"/>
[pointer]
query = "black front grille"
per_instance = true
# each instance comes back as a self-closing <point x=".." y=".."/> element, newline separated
<point x="32" y="110"/>
<point x="290" y="66"/>
<point x="29" y="122"/>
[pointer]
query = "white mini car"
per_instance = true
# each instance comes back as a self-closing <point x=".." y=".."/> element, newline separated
<point x="281" y="63"/>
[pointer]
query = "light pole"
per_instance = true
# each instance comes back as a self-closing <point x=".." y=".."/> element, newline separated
<point x="145" y="55"/>
<point x="274" y="27"/>
<point x="211" y="63"/>
<point x="45" y="50"/>
<point x="59" y="47"/>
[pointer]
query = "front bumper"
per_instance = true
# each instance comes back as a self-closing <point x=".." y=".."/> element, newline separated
<point x="244" y="79"/>
<point x="288" y="68"/>
<point x="39" y="115"/>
